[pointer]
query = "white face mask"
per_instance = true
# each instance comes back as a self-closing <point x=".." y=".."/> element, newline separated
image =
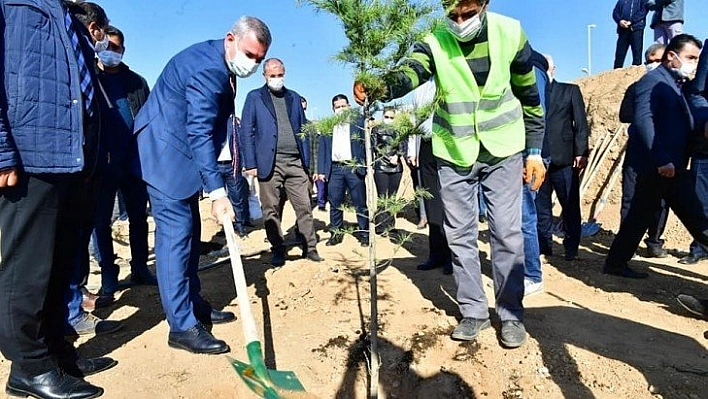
<point x="241" y="65"/>
<point x="467" y="30"/>
<point x="339" y="110"/>
<point x="276" y="84"/>
<point x="109" y="58"/>
<point x="102" y="45"/>
<point x="652" y="66"/>
<point x="687" y="70"/>
<point x="387" y="121"/>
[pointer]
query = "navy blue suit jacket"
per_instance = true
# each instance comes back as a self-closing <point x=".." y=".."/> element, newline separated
<point x="324" y="154"/>
<point x="663" y="123"/>
<point x="258" y="134"/>
<point x="698" y="100"/>
<point x="182" y="126"/>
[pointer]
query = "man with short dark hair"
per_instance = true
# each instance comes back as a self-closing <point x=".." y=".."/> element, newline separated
<point x="179" y="132"/>
<point x="341" y="158"/>
<point x="275" y="151"/>
<point x="664" y="129"/>
<point x="634" y="158"/>
<point x="127" y="92"/>
<point x="48" y="92"/>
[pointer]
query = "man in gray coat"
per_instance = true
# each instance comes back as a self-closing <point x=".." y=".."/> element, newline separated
<point x="667" y="20"/>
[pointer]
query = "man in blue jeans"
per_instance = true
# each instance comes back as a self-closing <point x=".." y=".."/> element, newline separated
<point x="696" y="92"/>
<point x="533" y="280"/>
<point x="127" y="92"/>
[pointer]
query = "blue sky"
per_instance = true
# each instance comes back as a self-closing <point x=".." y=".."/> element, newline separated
<point x="156" y="30"/>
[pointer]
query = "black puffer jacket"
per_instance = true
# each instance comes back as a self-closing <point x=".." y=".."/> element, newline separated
<point x="384" y="146"/>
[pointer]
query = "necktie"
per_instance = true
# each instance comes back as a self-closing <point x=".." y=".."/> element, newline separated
<point x="84" y="75"/>
<point x="234" y="131"/>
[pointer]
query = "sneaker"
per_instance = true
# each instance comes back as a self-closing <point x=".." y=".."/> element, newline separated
<point x="532" y="287"/>
<point x="469" y="329"/>
<point x="693" y="305"/>
<point x="90" y="324"/>
<point x="513" y="334"/>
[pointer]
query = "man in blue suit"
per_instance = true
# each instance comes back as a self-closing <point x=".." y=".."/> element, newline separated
<point x="277" y="153"/>
<point x="698" y="100"/>
<point x="337" y="154"/>
<point x="179" y="132"/>
<point x="664" y="128"/>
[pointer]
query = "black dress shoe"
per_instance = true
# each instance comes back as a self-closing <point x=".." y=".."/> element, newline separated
<point x="197" y="340"/>
<point x="51" y="385"/>
<point x="81" y="368"/>
<point x="653" y="252"/>
<point x="691" y="259"/>
<point x="335" y="239"/>
<point x="625" y="272"/>
<point x="213" y="316"/>
<point x="429" y="265"/>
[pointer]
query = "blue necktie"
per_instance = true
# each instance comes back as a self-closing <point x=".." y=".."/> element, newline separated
<point x="86" y="84"/>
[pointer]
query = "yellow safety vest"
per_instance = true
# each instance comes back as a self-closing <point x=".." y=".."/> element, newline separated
<point x="469" y="116"/>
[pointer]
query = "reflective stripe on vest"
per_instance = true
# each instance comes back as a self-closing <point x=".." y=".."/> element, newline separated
<point x="469" y="115"/>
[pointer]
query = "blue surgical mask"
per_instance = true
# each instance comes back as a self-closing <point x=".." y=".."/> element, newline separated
<point x="109" y="58"/>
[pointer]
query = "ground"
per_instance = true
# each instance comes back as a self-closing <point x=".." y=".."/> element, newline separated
<point x="590" y="335"/>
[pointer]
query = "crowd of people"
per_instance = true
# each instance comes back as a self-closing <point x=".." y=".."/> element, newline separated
<point x="505" y="136"/>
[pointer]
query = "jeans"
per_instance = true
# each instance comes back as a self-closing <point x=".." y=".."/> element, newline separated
<point x="629" y="38"/>
<point x="387" y="187"/>
<point x="79" y="268"/>
<point x="135" y="197"/>
<point x="529" y="221"/>
<point x="237" y="191"/>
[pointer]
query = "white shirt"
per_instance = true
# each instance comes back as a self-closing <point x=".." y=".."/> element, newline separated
<point x="341" y="143"/>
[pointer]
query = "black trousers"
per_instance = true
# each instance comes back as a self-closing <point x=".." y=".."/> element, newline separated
<point x="565" y="181"/>
<point x="386" y="186"/>
<point x="679" y="193"/>
<point x="657" y="223"/>
<point x="439" y="251"/>
<point x="39" y="226"/>
<point x="627" y="38"/>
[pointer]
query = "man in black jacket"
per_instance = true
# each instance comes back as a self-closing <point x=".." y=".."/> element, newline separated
<point x="631" y="19"/>
<point x="565" y="150"/>
<point x="127" y="92"/>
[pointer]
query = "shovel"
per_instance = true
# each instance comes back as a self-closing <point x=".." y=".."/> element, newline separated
<point x="269" y="384"/>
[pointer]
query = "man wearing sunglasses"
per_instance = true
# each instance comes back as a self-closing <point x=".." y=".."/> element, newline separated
<point x="490" y="116"/>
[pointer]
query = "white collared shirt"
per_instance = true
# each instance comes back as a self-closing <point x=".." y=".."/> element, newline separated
<point x="341" y="143"/>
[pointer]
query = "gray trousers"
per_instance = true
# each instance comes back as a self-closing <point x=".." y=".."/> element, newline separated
<point x="288" y="178"/>
<point x="501" y="187"/>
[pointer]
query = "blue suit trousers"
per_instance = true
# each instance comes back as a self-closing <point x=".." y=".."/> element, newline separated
<point x="177" y="240"/>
